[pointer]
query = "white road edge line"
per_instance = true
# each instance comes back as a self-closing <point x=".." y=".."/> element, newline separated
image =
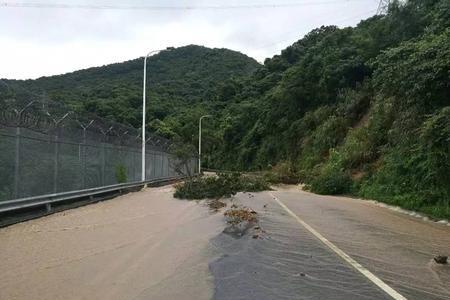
<point x="386" y="288"/>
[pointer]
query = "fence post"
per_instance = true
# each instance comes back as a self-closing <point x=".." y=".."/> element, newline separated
<point x="148" y="175"/>
<point x="133" y="163"/>
<point x="161" y="173"/>
<point x="164" y="165"/>
<point x="83" y="161"/>
<point x="17" y="165"/>
<point x="103" y="163"/>
<point x="104" y="140"/>
<point x="169" y="168"/>
<point x="136" y="160"/>
<point x="56" y="162"/>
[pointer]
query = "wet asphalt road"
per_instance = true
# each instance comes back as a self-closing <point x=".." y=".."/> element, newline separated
<point x="288" y="262"/>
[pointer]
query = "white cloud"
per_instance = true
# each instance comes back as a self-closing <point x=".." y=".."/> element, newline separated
<point x="41" y="42"/>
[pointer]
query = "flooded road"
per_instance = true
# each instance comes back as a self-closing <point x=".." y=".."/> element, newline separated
<point x="143" y="245"/>
<point x="285" y="262"/>
<point x="397" y="248"/>
<point x="147" y="245"/>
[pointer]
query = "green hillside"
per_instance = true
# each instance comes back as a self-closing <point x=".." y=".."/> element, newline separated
<point x="178" y="79"/>
<point x="362" y="110"/>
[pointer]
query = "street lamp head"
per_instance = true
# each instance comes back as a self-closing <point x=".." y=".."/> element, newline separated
<point x="153" y="52"/>
<point x="206" y="116"/>
<point x="158" y="51"/>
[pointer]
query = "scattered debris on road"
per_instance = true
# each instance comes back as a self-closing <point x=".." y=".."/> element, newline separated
<point x="238" y="215"/>
<point x="258" y="232"/>
<point x="216" y="205"/>
<point x="240" y="220"/>
<point x="440" y="259"/>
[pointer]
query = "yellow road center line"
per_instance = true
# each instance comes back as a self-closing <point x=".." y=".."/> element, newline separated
<point x="386" y="288"/>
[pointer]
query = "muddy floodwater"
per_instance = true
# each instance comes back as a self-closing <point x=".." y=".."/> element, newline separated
<point x="144" y="245"/>
<point x="284" y="262"/>
<point x="147" y="245"/>
<point x="397" y="248"/>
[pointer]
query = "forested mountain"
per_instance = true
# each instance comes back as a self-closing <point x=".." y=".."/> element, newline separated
<point x="363" y="110"/>
<point x="178" y="79"/>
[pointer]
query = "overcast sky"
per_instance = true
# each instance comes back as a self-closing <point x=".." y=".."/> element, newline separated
<point x="46" y="41"/>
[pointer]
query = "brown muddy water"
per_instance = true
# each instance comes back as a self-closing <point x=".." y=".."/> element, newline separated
<point x="283" y="262"/>
<point x="144" y="245"/>
<point x="147" y="245"/>
<point x="396" y="247"/>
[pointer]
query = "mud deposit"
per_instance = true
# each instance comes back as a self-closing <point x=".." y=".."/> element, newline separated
<point x="275" y="259"/>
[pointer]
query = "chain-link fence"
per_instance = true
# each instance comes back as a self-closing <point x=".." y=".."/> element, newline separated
<point x="45" y="148"/>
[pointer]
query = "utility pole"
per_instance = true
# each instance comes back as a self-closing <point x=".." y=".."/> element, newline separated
<point x="200" y="142"/>
<point x="383" y="7"/>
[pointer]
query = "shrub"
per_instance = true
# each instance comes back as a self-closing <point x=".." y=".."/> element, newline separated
<point x="332" y="179"/>
<point x="253" y="183"/>
<point x="121" y="174"/>
<point x="331" y="182"/>
<point x="283" y="172"/>
<point x="222" y="185"/>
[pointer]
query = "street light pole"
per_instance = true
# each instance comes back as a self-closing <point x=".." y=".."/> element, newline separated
<point x="200" y="142"/>
<point x="144" y="112"/>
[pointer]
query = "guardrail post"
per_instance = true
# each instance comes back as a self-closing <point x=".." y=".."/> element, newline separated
<point x="17" y="165"/>
<point x="48" y="207"/>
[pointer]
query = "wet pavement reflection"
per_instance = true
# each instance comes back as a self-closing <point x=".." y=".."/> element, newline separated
<point x="286" y="262"/>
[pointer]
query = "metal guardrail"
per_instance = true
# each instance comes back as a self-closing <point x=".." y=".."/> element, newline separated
<point x="227" y="171"/>
<point x="217" y="171"/>
<point x="49" y="199"/>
